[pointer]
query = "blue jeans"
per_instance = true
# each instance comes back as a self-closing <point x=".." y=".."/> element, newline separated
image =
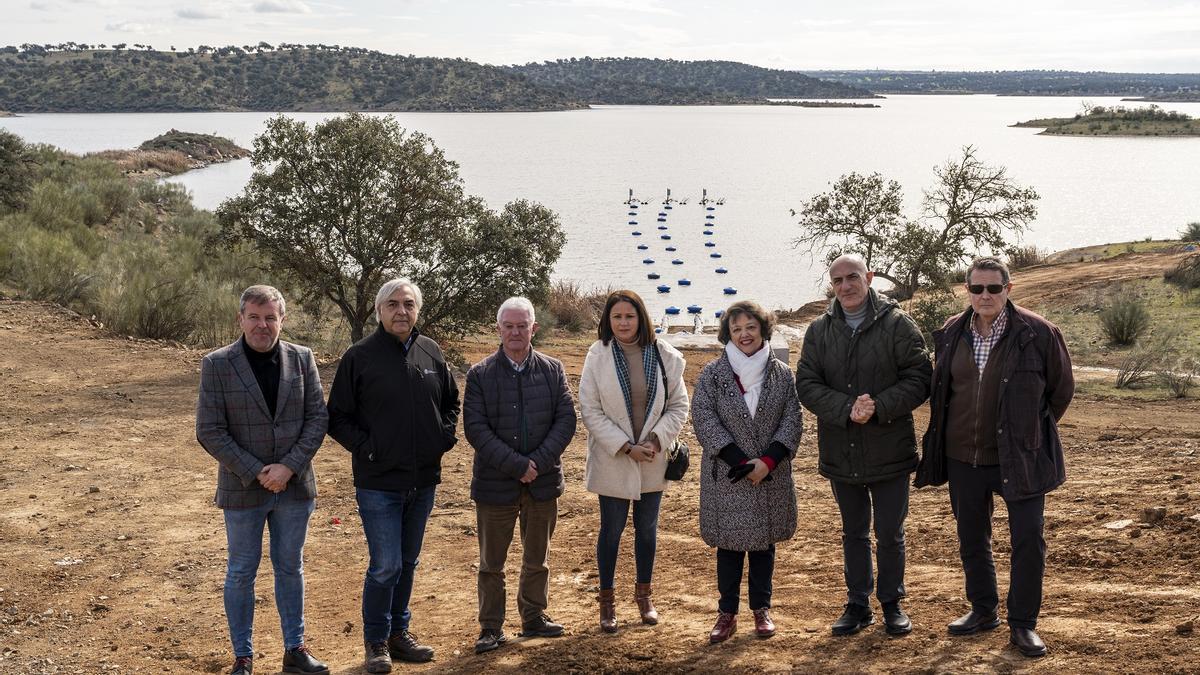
<point x="394" y="523"/>
<point x="287" y="520"/>
<point x="613" y="514"/>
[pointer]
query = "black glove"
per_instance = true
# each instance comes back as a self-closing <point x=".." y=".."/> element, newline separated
<point x="739" y="472"/>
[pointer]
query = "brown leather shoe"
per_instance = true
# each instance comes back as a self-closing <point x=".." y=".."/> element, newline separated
<point x="641" y="595"/>
<point x="764" y="627"/>
<point x="608" y="611"/>
<point x="724" y="629"/>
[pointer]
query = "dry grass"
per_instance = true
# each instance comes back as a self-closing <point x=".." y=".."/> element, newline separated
<point x="169" y="162"/>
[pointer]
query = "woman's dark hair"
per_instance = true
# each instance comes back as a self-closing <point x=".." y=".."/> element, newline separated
<point x="765" y="318"/>
<point x="645" y="328"/>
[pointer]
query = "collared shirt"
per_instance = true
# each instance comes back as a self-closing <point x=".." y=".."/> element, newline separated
<point x="520" y="366"/>
<point x="982" y="346"/>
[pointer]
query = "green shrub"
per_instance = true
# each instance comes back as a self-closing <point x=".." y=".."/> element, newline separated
<point x="148" y="293"/>
<point x="571" y="308"/>
<point x="1186" y="274"/>
<point x="1020" y="257"/>
<point x="1191" y="232"/>
<point x="1125" y="320"/>
<point x="931" y="310"/>
<point x="45" y="265"/>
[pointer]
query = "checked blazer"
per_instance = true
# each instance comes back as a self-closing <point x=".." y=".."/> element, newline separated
<point x="234" y="425"/>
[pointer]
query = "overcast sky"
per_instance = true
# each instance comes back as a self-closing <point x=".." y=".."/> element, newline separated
<point x="1115" y="35"/>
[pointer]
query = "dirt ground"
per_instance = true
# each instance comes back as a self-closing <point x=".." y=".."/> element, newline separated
<point x="112" y="555"/>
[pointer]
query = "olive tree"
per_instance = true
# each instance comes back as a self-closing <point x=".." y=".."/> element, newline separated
<point x="17" y="169"/>
<point x="341" y="207"/>
<point x="972" y="208"/>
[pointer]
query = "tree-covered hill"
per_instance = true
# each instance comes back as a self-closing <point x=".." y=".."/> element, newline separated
<point x="289" y="78"/>
<point x="638" y="80"/>
<point x="1153" y="86"/>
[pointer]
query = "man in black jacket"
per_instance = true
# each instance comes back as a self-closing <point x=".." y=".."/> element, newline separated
<point x="1002" y="382"/>
<point x="518" y="415"/>
<point x="862" y="371"/>
<point x="394" y="406"/>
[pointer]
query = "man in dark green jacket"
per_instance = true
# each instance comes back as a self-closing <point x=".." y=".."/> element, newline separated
<point x="862" y="372"/>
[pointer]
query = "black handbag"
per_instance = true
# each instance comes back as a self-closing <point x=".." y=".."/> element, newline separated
<point x="677" y="454"/>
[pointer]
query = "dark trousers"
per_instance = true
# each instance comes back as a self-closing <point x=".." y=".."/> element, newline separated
<point x="495" y="529"/>
<point x="888" y="501"/>
<point x="394" y="523"/>
<point x="614" y="512"/>
<point x="729" y="578"/>
<point x="971" y="490"/>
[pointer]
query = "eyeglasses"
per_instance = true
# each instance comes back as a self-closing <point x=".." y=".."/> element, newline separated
<point x="977" y="289"/>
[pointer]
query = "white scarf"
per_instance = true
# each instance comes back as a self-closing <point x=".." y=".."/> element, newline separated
<point x="750" y="371"/>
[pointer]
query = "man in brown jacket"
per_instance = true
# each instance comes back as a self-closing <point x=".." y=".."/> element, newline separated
<point x="1001" y="382"/>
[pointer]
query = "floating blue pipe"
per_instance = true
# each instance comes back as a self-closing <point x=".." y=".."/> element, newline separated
<point x="709" y="244"/>
<point x="670" y="249"/>
<point x="730" y="290"/>
<point x="663" y="288"/>
<point x="633" y="222"/>
<point x="667" y="206"/>
<point x="677" y="261"/>
<point x="719" y="270"/>
<point x="652" y="275"/>
<point x="662" y="220"/>
<point x="708" y="232"/>
<point x="685" y="282"/>
<point x="665" y="237"/>
<point x="636" y="233"/>
<point x="719" y="313"/>
<point x="663" y="227"/>
<point x="672" y="310"/>
<point x="633" y="213"/>
<point x="648" y="261"/>
<point x="710" y="208"/>
<point x="662" y="213"/>
<point x="710" y="217"/>
<point x="714" y="255"/>
<point x="695" y="309"/>
<point x="642" y="247"/>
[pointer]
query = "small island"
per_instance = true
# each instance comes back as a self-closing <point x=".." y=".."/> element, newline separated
<point x="1118" y="121"/>
<point x="821" y="104"/>
<point x="175" y="152"/>
<point x="5" y="113"/>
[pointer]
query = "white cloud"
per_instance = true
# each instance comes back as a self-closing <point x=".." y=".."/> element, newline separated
<point x="127" y="27"/>
<point x="643" y="6"/>
<point x="281" y="7"/>
<point x="199" y="13"/>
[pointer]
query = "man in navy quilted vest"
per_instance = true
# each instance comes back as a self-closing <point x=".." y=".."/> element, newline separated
<point x="518" y="415"/>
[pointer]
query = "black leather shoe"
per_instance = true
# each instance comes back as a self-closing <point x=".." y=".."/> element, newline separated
<point x="243" y="665"/>
<point x="895" y="621"/>
<point x="1027" y="642"/>
<point x="973" y="622"/>
<point x="403" y="646"/>
<point x="489" y="639"/>
<point x="542" y="626"/>
<point x="854" y="619"/>
<point x="300" y="660"/>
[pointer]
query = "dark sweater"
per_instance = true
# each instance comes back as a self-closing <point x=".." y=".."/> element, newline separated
<point x="971" y="417"/>
<point x="395" y="410"/>
<point x="265" y="366"/>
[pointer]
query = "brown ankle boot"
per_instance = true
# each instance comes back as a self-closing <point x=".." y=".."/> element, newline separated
<point x="608" y="611"/>
<point x="641" y="594"/>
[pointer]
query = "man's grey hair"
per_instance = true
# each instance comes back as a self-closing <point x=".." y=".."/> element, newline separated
<point x="517" y="302"/>
<point x="855" y="258"/>
<point x="392" y="286"/>
<point x="989" y="263"/>
<point x="261" y="294"/>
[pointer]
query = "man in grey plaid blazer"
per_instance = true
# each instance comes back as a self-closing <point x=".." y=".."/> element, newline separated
<point x="261" y="413"/>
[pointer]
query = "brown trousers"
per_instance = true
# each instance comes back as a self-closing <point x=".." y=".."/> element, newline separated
<point x="495" y="528"/>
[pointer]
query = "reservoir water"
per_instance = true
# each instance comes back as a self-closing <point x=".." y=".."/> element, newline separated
<point x="763" y="160"/>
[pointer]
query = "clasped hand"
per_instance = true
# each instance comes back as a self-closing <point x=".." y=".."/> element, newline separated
<point x="275" y="477"/>
<point x="645" y="451"/>
<point x="863" y="409"/>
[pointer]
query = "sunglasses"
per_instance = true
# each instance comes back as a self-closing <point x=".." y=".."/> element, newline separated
<point x="994" y="289"/>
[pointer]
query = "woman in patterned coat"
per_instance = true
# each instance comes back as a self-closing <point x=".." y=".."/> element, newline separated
<point x="747" y="418"/>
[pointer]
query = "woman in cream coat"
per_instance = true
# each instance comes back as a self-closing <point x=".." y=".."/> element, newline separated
<point x="631" y="423"/>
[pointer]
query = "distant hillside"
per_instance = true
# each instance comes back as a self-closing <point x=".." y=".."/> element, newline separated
<point x="625" y="81"/>
<point x="1155" y="86"/>
<point x="291" y="78"/>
